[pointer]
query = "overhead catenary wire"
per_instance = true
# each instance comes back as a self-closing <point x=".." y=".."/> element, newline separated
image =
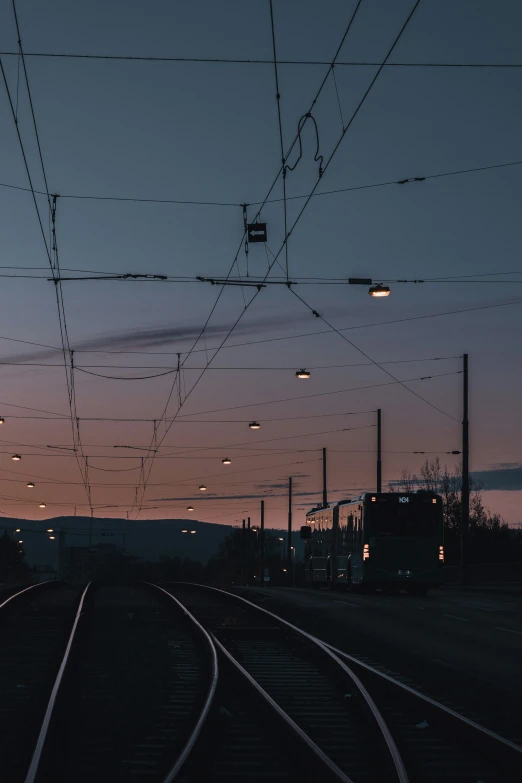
<point x="245" y="61"/>
<point x="280" y="128"/>
<point x="231" y="369"/>
<point x="254" y="282"/>
<point x="328" y="393"/>
<point x="63" y="417"/>
<point x="280" y="171"/>
<point x="386" y="183"/>
<point x="326" y="165"/>
<point x="367" y="355"/>
<point x="51" y="248"/>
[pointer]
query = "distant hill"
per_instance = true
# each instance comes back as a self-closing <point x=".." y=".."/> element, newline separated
<point x="143" y="538"/>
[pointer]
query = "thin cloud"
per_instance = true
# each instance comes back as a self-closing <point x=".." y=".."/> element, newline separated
<point x="253" y="496"/>
<point x="165" y="336"/>
<point x="508" y="479"/>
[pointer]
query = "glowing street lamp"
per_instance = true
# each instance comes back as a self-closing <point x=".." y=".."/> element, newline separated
<point x="202" y="488"/>
<point x="16" y="458"/>
<point x="254" y="425"/>
<point x="192" y="531"/>
<point x="190" y="508"/>
<point x="379" y="290"/>
<point x="50" y="530"/>
<point x="303" y="374"/>
<point x="184" y="531"/>
<point x="226" y="461"/>
<point x="18" y="530"/>
<point x="52" y="538"/>
<point x="42" y="505"/>
<point x="2" y="420"/>
<point x="30" y="484"/>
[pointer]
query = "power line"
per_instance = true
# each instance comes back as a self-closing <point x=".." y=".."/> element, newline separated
<point x="386" y="183"/>
<point x="126" y="377"/>
<point x="252" y="282"/>
<point x="244" y="61"/>
<point x="407" y="181"/>
<point x="286" y="437"/>
<point x="231" y="369"/>
<point x="52" y="253"/>
<point x="238" y="319"/>
<point x="280" y="171"/>
<point x="280" y="126"/>
<point x="321" y="171"/>
<point x="325" y="394"/>
<point x="360" y="350"/>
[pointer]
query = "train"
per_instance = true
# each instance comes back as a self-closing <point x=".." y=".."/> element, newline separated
<point x="392" y="541"/>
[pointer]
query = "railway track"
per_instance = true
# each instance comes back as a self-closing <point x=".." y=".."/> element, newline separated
<point x="34" y="626"/>
<point x="132" y="692"/>
<point x="408" y="736"/>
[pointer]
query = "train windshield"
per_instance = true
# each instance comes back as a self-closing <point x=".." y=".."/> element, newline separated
<point x="392" y="518"/>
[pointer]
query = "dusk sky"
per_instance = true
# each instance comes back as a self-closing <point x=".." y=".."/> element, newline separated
<point x="208" y="132"/>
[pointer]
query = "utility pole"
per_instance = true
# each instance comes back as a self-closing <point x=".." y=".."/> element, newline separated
<point x="464" y="521"/>
<point x="289" y="542"/>
<point x="262" y="546"/>
<point x="247" y="559"/>
<point x="379" y="462"/>
<point x="243" y="555"/>
<point x="325" y="493"/>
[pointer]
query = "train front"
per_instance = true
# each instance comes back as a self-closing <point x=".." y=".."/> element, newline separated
<point x="403" y="541"/>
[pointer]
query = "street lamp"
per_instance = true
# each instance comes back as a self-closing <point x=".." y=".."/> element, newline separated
<point x="226" y="461"/>
<point x="254" y="425"/>
<point x="42" y="505"/>
<point x="184" y="531"/>
<point x="50" y="530"/>
<point x="51" y="538"/>
<point x="16" y="458"/>
<point x="30" y="484"/>
<point x="202" y="488"/>
<point x="190" y="508"/>
<point x="2" y="420"/>
<point x="379" y="290"/>
<point x="192" y="531"/>
<point x="303" y="374"/>
<point x="18" y="530"/>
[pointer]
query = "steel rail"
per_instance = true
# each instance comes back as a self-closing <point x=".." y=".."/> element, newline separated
<point x="320" y="755"/>
<point x="21" y="592"/>
<point x="196" y="731"/>
<point x="385" y="733"/>
<point x="513" y="752"/>
<point x="37" y="754"/>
